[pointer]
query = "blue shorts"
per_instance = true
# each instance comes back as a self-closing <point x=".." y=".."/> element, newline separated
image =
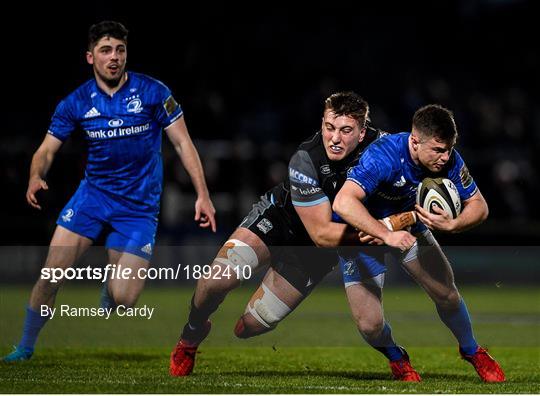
<point x="363" y="264"/>
<point x="91" y="212"/>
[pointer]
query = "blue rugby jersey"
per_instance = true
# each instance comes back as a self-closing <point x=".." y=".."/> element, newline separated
<point x="388" y="175"/>
<point x="123" y="134"/>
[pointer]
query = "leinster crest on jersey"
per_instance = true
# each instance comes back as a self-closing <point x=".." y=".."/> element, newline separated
<point x="135" y="106"/>
<point x="66" y="217"/>
<point x="349" y="268"/>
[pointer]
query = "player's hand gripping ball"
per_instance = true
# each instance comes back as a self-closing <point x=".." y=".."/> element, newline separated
<point x="439" y="192"/>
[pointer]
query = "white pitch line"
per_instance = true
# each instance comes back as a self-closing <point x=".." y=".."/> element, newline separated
<point x="226" y="384"/>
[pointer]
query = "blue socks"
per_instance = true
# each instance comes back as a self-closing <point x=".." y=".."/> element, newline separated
<point x="33" y="323"/>
<point x="459" y="323"/>
<point x="457" y="320"/>
<point x="385" y="344"/>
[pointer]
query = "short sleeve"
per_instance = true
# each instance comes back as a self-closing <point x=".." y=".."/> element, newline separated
<point x="168" y="110"/>
<point x="305" y="188"/>
<point x="461" y="177"/>
<point x="63" y="121"/>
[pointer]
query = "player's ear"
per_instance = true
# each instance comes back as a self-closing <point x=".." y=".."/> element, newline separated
<point x="89" y="57"/>
<point x="415" y="140"/>
<point x="362" y="134"/>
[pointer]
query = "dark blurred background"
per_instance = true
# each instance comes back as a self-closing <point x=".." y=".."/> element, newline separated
<point x="251" y="80"/>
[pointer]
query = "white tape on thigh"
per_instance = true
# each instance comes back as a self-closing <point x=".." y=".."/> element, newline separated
<point x="268" y="310"/>
<point x="411" y="253"/>
<point x="425" y="240"/>
<point x="352" y="283"/>
<point x="377" y="281"/>
<point x="238" y="255"/>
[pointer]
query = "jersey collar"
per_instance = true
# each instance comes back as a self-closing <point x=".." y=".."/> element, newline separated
<point x="126" y="85"/>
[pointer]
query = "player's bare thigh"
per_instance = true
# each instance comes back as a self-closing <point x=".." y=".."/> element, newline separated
<point x="432" y="270"/>
<point x="242" y="248"/>
<point x="365" y="301"/>
<point x="65" y="248"/>
<point x="126" y="291"/>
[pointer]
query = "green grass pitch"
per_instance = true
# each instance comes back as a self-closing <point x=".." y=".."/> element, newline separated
<point x="315" y="350"/>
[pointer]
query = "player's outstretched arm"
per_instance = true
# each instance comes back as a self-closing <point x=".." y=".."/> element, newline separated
<point x="41" y="163"/>
<point x="348" y="204"/>
<point x="322" y="230"/>
<point x="179" y="136"/>
<point x="475" y="211"/>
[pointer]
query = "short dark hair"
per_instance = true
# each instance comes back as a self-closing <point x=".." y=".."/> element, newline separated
<point x="348" y="104"/>
<point x="435" y="121"/>
<point x="106" y="29"/>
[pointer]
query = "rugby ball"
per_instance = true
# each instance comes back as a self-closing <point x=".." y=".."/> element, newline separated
<point x="439" y="192"/>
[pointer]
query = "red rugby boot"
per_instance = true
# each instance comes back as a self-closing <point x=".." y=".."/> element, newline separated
<point x="486" y="367"/>
<point x="403" y="370"/>
<point x="183" y="355"/>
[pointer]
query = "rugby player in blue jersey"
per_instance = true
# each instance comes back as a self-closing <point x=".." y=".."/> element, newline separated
<point x="385" y="181"/>
<point x="122" y="115"/>
<point x="287" y="230"/>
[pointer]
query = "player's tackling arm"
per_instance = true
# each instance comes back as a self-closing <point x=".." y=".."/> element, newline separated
<point x="348" y="204"/>
<point x="41" y="163"/>
<point x="475" y="211"/>
<point x="179" y="137"/>
<point x="322" y="230"/>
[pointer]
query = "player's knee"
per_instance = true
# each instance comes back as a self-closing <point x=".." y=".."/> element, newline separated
<point x="235" y="255"/>
<point x="227" y="269"/>
<point x="247" y="326"/>
<point x="241" y="330"/>
<point x="370" y="328"/>
<point x="124" y="298"/>
<point x="50" y="284"/>
<point x="449" y="299"/>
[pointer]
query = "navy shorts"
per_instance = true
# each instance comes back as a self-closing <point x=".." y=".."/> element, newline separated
<point x="91" y="212"/>
<point x="294" y="255"/>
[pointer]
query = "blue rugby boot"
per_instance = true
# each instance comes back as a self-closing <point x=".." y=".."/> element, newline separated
<point x="18" y="355"/>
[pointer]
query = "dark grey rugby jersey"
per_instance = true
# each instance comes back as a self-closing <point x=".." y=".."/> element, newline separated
<point x="313" y="178"/>
<point x="304" y="180"/>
